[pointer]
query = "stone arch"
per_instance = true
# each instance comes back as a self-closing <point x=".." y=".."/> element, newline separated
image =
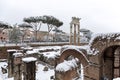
<point x="104" y="47"/>
<point x="81" y="55"/>
<point x="108" y="62"/>
<point x="75" y="53"/>
<point x="103" y="41"/>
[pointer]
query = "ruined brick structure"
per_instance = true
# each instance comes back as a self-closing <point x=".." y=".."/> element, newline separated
<point x="11" y="62"/>
<point x="29" y="68"/>
<point x="106" y="57"/>
<point x="65" y="54"/>
<point x="101" y="61"/>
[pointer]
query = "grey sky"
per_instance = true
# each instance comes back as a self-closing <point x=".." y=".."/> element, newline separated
<point x="97" y="15"/>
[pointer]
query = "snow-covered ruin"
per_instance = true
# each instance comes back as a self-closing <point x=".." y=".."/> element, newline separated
<point x="64" y="62"/>
<point x="97" y="60"/>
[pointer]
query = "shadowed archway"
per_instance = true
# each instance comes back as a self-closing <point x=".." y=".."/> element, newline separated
<point x="80" y="54"/>
<point x="68" y="54"/>
<point x="106" y="50"/>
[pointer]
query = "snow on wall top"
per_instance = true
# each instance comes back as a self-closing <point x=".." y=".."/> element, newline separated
<point x="101" y="37"/>
<point x="49" y="51"/>
<point x="49" y="47"/>
<point x="52" y="54"/>
<point x="116" y="78"/>
<point x="11" y="50"/>
<point x="67" y="65"/>
<point x="108" y="36"/>
<point x="27" y="48"/>
<point x="32" y="52"/>
<point x="29" y="59"/>
<point x="18" y="54"/>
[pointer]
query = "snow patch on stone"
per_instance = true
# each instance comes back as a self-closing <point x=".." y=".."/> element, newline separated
<point x="18" y="54"/>
<point x="29" y="59"/>
<point x="52" y="54"/>
<point x="32" y="52"/>
<point x="67" y="65"/>
<point x="11" y="50"/>
<point x="116" y="79"/>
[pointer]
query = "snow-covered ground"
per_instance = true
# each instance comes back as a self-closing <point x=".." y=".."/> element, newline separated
<point x="3" y="76"/>
<point x="44" y="75"/>
<point x="40" y="73"/>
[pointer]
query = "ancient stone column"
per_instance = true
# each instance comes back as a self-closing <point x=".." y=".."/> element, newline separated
<point x="75" y="36"/>
<point x="10" y="62"/>
<point x="29" y="68"/>
<point x="78" y="35"/>
<point x="70" y="34"/>
<point x="18" y="66"/>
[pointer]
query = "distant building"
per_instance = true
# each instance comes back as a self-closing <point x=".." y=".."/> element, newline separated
<point x="60" y="36"/>
<point x="28" y="35"/>
<point x="43" y="36"/>
<point x="85" y="35"/>
<point x="4" y="36"/>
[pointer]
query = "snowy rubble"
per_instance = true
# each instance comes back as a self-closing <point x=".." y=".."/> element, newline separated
<point x="52" y="54"/>
<point x="49" y="47"/>
<point x="45" y="75"/>
<point x="3" y="76"/>
<point x="27" y="48"/>
<point x="55" y="51"/>
<point x="40" y="74"/>
<point x="117" y="38"/>
<point x="48" y="52"/>
<point x="67" y="65"/>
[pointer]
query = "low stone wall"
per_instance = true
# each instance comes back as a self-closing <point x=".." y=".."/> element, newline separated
<point x="3" y="51"/>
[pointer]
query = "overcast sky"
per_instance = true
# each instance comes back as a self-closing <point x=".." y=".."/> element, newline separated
<point x="97" y="15"/>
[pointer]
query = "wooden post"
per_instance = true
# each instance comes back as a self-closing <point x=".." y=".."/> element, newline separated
<point x="29" y="68"/>
<point x="10" y="62"/>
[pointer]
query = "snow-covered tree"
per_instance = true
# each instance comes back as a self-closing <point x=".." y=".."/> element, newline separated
<point x="24" y="27"/>
<point x="3" y="26"/>
<point x="35" y="22"/>
<point x="86" y="34"/>
<point x="15" y="35"/>
<point x="51" y="22"/>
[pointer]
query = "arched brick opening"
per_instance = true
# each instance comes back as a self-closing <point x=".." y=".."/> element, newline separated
<point x="81" y="55"/>
<point x="76" y="72"/>
<point x="105" y="47"/>
<point x="110" y="62"/>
